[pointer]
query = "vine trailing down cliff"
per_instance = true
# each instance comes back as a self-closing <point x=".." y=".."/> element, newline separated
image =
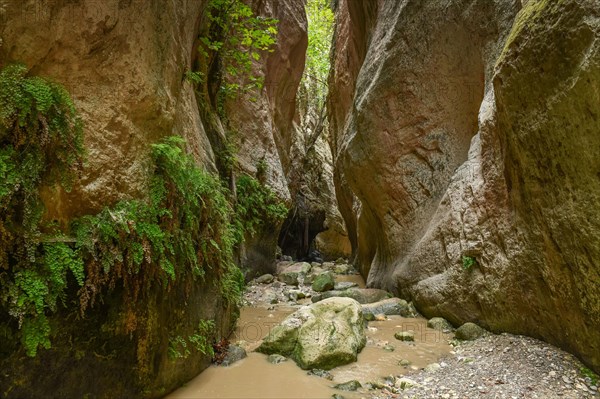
<point x="119" y="239"/>
<point x="466" y="142"/>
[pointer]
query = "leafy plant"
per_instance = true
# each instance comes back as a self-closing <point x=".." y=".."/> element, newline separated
<point x="468" y="262"/>
<point x="257" y="205"/>
<point x="236" y="38"/>
<point x="180" y="348"/>
<point x="41" y="141"/>
<point x="200" y="340"/>
<point x="587" y="373"/>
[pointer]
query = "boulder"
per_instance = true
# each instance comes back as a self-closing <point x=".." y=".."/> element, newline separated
<point x="391" y="306"/>
<point x="323" y="282"/>
<point x="469" y="332"/>
<point x="348" y="386"/>
<point x="264" y="279"/>
<point x="362" y="295"/>
<point x="439" y="323"/>
<point x="407" y="336"/>
<point x="321" y="373"/>
<point x="294" y="274"/>
<point x="324" y="335"/>
<point x="234" y="354"/>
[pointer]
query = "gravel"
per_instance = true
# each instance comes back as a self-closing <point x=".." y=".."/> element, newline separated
<point x="499" y="366"/>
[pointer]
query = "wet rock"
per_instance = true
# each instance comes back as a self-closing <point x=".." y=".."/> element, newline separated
<point x="391" y="306"/>
<point x="292" y="275"/>
<point x="469" y="332"/>
<point x="348" y="386"/>
<point x="321" y="373"/>
<point x="361" y="295"/>
<point x="264" y="279"/>
<point x="276" y="359"/>
<point x="344" y="285"/>
<point x="234" y="354"/>
<point x="323" y="282"/>
<point x="323" y="335"/>
<point x="405" y="336"/>
<point x="389" y="348"/>
<point x="439" y="323"/>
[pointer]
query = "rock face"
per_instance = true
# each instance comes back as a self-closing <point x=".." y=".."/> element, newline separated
<point x="264" y="122"/>
<point x="472" y="136"/>
<point x="324" y="335"/>
<point x="124" y="64"/>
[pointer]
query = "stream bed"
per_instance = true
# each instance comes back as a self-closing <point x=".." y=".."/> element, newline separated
<point x="255" y="377"/>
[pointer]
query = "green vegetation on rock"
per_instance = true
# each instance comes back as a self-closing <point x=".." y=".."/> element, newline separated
<point x="185" y="226"/>
<point x="41" y="142"/>
<point x="257" y="205"/>
<point x="180" y="348"/>
<point x="468" y="262"/>
<point x="236" y="39"/>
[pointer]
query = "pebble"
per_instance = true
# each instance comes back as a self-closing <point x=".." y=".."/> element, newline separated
<point x="483" y="368"/>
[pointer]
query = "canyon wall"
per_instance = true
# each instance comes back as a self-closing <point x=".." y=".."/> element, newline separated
<point x="471" y="145"/>
<point x="124" y="63"/>
<point x="264" y="125"/>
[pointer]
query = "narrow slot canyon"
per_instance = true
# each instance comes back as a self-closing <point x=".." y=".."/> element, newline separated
<point x="300" y="199"/>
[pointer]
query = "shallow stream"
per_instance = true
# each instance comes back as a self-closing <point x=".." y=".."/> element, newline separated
<point x="255" y="377"/>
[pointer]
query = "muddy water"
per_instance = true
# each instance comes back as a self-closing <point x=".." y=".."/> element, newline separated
<point x="255" y="377"/>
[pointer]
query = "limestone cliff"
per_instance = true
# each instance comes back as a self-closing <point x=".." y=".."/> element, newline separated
<point x="125" y="63"/>
<point x="263" y="123"/>
<point x="471" y="144"/>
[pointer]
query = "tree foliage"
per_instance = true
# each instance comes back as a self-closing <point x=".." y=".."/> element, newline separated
<point x="236" y="39"/>
<point x="313" y="89"/>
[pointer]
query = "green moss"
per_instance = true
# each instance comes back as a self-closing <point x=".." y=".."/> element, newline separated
<point x="527" y="19"/>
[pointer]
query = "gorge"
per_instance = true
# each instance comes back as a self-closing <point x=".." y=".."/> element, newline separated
<point x="156" y="155"/>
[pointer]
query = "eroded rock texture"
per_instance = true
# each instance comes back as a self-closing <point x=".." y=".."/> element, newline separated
<point x="263" y="123"/>
<point x="473" y="136"/>
<point x="124" y="63"/>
